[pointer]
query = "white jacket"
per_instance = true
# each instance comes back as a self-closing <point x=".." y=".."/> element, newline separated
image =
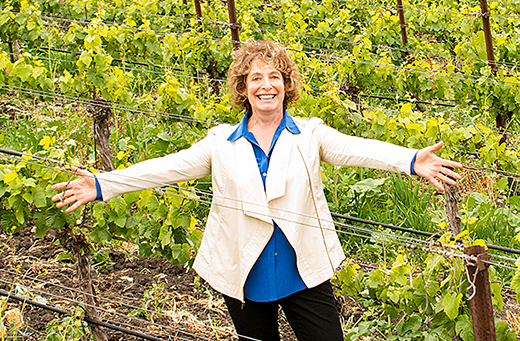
<point x="239" y="224"/>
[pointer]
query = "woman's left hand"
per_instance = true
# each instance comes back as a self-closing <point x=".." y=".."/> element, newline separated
<point x="431" y="167"/>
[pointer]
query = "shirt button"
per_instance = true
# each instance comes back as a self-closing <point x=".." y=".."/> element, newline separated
<point x="276" y="253"/>
<point x="265" y="174"/>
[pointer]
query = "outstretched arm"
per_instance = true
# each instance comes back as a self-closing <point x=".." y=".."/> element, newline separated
<point x="431" y="167"/>
<point x="77" y="192"/>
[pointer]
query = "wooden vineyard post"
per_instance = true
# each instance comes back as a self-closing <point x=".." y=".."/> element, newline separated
<point x="11" y="51"/>
<point x="198" y="9"/>
<point x="501" y="121"/>
<point x="402" y="23"/>
<point x="235" y="26"/>
<point x="487" y="35"/>
<point x="101" y="115"/>
<point x="479" y="290"/>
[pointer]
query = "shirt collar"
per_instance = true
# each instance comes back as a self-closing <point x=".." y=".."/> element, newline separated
<point x="241" y="130"/>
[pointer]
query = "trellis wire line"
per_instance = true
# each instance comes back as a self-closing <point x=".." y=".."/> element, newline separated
<point x="221" y="23"/>
<point x="151" y="112"/>
<point x="429" y="234"/>
<point x="183" y="117"/>
<point x="365" y="23"/>
<point x="382" y="47"/>
<point x="123" y="67"/>
<point x="500" y="265"/>
<point x="504" y="258"/>
<point x="407" y="240"/>
<point x="202" y="121"/>
<point x="157" y="32"/>
<point x="159" y="184"/>
<point x="500" y="130"/>
<point x="196" y="77"/>
<point x="158" y="66"/>
<point x="286" y="211"/>
<point x="110" y="324"/>
<point x="411" y="244"/>
<point x="431" y="72"/>
<point x="495" y="130"/>
<point x="110" y="106"/>
<point x="222" y="80"/>
<point x="393" y="6"/>
<point x="100" y="298"/>
<point x="318" y="219"/>
<point x="189" y="19"/>
<point x="93" y="321"/>
<point x="419" y="232"/>
<point x="512" y="65"/>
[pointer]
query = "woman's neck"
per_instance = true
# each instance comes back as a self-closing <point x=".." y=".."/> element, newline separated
<point x="263" y="128"/>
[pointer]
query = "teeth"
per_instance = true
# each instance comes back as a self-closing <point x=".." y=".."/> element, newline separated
<point x="266" y="96"/>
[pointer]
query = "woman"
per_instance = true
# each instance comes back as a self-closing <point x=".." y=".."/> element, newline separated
<point x="269" y="238"/>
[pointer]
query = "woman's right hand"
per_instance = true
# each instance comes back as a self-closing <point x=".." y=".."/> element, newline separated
<point x="76" y="192"/>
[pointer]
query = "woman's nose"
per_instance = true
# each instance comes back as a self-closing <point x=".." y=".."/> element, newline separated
<point x="266" y="84"/>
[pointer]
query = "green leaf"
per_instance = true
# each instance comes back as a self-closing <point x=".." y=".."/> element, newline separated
<point x="85" y="58"/>
<point x="64" y="257"/>
<point x="118" y="204"/>
<point x="496" y="291"/>
<point x="100" y="235"/>
<point x="514" y="201"/>
<point x="375" y="279"/>
<point x="165" y="235"/>
<point x="451" y="304"/>
<point x="165" y="137"/>
<point x="515" y="285"/>
<point x="152" y="203"/>
<point x="39" y="197"/>
<point x="503" y="332"/>
<point x="120" y="221"/>
<point x="464" y="328"/>
<point x="28" y="197"/>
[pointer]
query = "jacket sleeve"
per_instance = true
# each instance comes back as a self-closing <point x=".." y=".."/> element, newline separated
<point x="344" y="150"/>
<point x="185" y="165"/>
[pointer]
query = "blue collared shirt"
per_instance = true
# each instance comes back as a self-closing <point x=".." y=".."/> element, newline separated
<point x="274" y="275"/>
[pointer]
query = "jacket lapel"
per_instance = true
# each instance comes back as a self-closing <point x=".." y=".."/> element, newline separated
<point x="254" y="203"/>
<point x="278" y="167"/>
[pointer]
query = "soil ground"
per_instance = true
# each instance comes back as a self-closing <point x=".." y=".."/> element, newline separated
<point x="186" y="308"/>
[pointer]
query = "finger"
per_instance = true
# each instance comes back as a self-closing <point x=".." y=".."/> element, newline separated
<point x="61" y="185"/>
<point x="452" y="164"/>
<point x="57" y="197"/>
<point x="447" y="179"/>
<point x="454" y="175"/>
<point x="437" y="184"/>
<point x="66" y="202"/>
<point x="62" y="195"/>
<point x="436" y="147"/>
<point x="73" y="207"/>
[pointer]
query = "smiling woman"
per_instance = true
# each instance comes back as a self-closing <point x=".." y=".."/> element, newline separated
<point x="269" y="240"/>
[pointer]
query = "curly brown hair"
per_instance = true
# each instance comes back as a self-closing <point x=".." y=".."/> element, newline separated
<point x="268" y="52"/>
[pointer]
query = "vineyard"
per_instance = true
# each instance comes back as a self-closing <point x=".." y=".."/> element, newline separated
<point x="102" y="85"/>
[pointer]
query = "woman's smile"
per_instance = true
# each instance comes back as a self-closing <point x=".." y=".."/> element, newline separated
<point x="265" y="88"/>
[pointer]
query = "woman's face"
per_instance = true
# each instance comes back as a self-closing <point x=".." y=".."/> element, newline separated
<point x="265" y="88"/>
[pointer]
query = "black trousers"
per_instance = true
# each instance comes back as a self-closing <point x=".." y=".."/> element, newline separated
<point x="311" y="313"/>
